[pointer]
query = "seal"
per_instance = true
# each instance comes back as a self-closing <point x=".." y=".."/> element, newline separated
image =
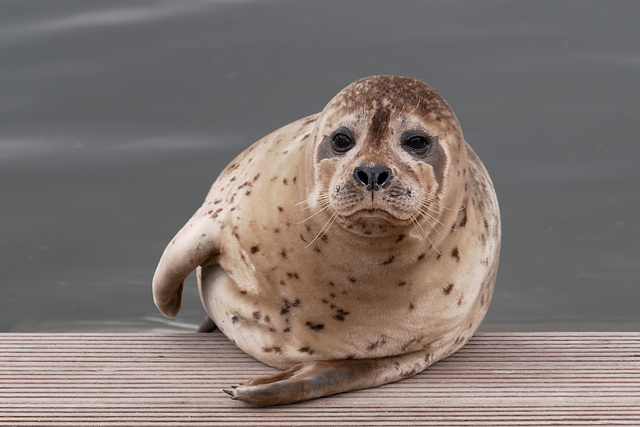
<point x="353" y="248"/>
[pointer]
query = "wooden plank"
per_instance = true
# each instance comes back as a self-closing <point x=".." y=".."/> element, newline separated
<point x="176" y="380"/>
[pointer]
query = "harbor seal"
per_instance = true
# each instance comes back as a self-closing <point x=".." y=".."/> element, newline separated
<point x="353" y="248"/>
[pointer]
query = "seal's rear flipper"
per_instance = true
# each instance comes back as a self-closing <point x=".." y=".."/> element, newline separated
<point x="207" y="325"/>
<point x="323" y="378"/>
<point x="194" y="244"/>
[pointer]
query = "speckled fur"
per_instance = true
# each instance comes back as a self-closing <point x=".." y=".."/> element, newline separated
<point x="378" y="282"/>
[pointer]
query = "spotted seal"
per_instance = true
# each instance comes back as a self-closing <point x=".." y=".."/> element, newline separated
<point x="353" y="248"/>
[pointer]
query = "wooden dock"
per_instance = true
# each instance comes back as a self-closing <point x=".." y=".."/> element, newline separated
<point x="177" y="379"/>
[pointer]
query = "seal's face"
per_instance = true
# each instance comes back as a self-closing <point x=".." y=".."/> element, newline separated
<point x="382" y="155"/>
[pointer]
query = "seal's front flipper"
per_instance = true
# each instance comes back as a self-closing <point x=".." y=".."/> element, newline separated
<point x="323" y="378"/>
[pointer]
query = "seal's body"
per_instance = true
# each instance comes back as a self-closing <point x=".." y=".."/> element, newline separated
<point x="366" y="237"/>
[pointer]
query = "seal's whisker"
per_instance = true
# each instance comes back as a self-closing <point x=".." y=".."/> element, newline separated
<point x="417" y="224"/>
<point x="434" y="205"/>
<point x="416" y="107"/>
<point x="307" y="219"/>
<point x="432" y="220"/>
<point x="308" y="202"/>
<point x="423" y="232"/>
<point x="324" y="229"/>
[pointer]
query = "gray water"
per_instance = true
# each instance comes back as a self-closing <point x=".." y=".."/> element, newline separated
<point x="116" y="117"/>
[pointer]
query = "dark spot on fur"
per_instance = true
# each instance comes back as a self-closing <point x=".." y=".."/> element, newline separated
<point x="305" y="350"/>
<point x="293" y="275"/>
<point x="456" y="254"/>
<point x="256" y="315"/>
<point x="216" y="213"/>
<point x="388" y="260"/>
<point x="411" y="306"/>
<point x="317" y="249"/>
<point x="374" y="345"/>
<point x="280" y="209"/>
<point x="422" y="255"/>
<point x="284" y="181"/>
<point x="302" y="238"/>
<point x="235" y="319"/>
<point x="275" y="349"/>
<point x="340" y="314"/>
<point x="400" y="237"/>
<point x="352" y="279"/>
<point x="315" y="326"/>
<point x="402" y="283"/>
<point x="255" y="249"/>
<point x="247" y="193"/>
<point x="287" y="304"/>
<point x="276" y="230"/>
<point x="439" y="256"/>
<point x="463" y="221"/>
<point x="283" y="253"/>
<point x="285" y="330"/>
<point x="243" y="292"/>
<point x="447" y="289"/>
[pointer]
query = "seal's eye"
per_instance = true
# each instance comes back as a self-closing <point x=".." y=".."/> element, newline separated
<point x="417" y="142"/>
<point x="342" y="140"/>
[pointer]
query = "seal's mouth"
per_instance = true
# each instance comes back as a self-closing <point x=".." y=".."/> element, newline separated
<point x="375" y="215"/>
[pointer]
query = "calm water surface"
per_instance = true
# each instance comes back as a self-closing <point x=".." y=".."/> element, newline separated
<point x="116" y="117"/>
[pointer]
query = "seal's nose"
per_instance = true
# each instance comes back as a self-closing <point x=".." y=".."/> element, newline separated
<point x="373" y="177"/>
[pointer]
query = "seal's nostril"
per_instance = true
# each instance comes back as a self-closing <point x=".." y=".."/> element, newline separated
<point x="383" y="177"/>
<point x="362" y="177"/>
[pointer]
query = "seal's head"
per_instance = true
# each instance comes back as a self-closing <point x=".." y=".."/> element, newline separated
<point x="383" y="150"/>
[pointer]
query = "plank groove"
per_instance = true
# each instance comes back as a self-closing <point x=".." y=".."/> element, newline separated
<point x="176" y="380"/>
